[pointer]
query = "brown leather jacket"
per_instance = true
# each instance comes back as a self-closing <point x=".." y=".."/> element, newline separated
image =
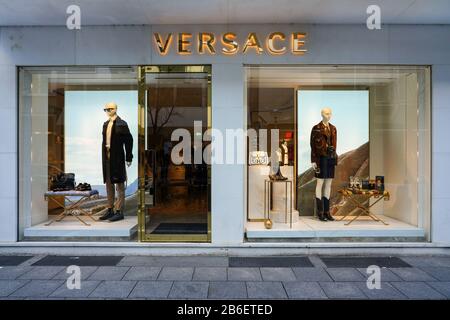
<point x="321" y="138"/>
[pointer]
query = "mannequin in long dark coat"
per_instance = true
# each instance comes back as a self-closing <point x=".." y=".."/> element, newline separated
<point x="120" y="138"/>
<point x="116" y="137"/>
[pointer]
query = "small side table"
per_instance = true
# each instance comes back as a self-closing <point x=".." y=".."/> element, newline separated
<point x="74" y="207"/>
<point x="350" y="195"/>
<point x="268" y="188"/>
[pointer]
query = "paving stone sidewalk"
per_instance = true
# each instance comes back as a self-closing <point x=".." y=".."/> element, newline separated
<point x="212" y="277"/>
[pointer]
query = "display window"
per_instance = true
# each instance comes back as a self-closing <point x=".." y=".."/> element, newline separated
<point x="78" y="157"/>
<point x="350" y="160"/>
<point x="97" y="153"/>
<point x="335" y="153"/>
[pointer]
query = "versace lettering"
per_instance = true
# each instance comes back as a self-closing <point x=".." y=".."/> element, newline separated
<point x="275" y="43"/>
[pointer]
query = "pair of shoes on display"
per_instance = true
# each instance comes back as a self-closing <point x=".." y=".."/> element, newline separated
<point x="323" y="209"/>
<point x="277" y="176"/>
<point x="112" y="216"/>
<point x="83" y="187"/>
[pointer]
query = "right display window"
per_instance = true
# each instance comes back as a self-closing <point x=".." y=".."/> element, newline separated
<point x="338" y="152"/>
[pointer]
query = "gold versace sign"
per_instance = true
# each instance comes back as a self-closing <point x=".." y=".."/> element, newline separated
<point x="276" y="43"/>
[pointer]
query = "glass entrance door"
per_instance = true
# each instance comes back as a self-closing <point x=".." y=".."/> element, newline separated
<point x="174" y="179"/>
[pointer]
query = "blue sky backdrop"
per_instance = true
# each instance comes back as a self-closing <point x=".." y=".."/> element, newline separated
<point x="350" y="116"/>
<point x="84" y="118"/>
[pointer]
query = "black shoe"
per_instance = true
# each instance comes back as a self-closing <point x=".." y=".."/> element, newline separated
<point x="326" y="209"/>
<point x="116" y="217"/>
<point x="329" y="216"/>
<point x="107" y="215"/>
<point x="277" y="176"/>
<point x="322" y="216"/>
<point x="83" y="187"/>
<point x="319" y="206"/>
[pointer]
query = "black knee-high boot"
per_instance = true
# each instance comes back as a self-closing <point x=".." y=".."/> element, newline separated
<point x="326" y="209"/>
<point x="319" y="205"/>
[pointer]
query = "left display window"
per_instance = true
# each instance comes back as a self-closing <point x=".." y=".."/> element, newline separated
<point x="66" y="125"/>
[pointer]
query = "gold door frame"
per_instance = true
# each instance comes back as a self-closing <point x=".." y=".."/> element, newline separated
<point x="142" y="71"/>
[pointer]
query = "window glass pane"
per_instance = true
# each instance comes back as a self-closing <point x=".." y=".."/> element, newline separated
<point x="379" y="129"/>
<point x="61" y="123"/>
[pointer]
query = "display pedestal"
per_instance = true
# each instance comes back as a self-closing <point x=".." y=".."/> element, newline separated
<point x="257" y="174"/>
<point x="280" y="197"/>
<point x="278" y="212"/>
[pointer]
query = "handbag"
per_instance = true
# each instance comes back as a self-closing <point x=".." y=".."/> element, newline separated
<point x="331" y="152"/>
<point x="62" y="181"/>
<point x="258" y="158"/>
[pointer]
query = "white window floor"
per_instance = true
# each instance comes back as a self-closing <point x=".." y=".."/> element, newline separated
<point x="311" y="227"/>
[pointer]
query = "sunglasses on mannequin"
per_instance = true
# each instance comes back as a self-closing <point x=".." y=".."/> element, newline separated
<point x="108" y="109"/>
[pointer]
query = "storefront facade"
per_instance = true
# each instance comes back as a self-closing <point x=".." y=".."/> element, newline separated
<point x="388" y="89"/>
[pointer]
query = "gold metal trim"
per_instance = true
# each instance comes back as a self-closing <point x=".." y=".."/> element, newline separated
<point x="141" y="152"/>
<point x="208" y="70"/>
<point x="175" y="238"/>
<point x="295" y="178"/>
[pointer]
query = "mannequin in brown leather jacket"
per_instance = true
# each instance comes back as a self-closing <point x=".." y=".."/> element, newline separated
<point x="323" y="161"/>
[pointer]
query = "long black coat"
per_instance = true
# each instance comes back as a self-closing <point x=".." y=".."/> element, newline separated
<point x="120" y="138"/>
